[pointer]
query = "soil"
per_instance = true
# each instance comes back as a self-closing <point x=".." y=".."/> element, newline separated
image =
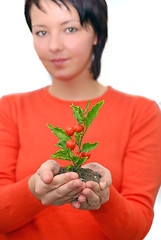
<point x="85" y="174"/>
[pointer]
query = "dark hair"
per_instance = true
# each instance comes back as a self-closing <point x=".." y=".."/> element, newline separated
<point x="94" y="12"/>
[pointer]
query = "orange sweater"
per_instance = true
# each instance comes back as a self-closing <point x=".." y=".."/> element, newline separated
<point x="128" y="129"/>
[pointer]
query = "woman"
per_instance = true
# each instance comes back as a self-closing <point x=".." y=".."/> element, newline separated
<point x="35" y="202"/>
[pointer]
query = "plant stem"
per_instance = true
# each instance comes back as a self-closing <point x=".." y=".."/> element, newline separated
<point x="83" y="133"/>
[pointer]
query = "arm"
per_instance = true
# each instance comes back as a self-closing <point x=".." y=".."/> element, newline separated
<point x="21" y="201"/>
<point x="128" y="214"/>
<point x="17" y="205"/>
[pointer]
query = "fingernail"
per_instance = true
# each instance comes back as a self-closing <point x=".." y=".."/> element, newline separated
<point x="73" y="176"/>
<point x="76" y="184"/>
<point x="103" y="185"/>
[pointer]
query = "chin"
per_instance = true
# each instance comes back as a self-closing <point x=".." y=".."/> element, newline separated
<point x="64" y="77"/>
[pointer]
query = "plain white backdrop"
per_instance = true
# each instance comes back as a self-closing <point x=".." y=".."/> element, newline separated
<point x="131" y="60"/>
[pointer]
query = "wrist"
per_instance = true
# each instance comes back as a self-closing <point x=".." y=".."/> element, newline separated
<point x="31" y="185"/>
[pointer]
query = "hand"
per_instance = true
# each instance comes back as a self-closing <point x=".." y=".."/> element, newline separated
<point x="94" y="194"/>
<point x="52" y="189"/>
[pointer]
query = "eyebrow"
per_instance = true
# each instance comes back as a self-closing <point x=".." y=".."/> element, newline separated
<point x="64" y="23"/>
<point x="38" y="25"/>
<point x="69" y="21"/>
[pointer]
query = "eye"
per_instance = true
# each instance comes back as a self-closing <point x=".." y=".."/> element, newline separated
<point x="41" y="33"/>
<point x="71" y="29"/>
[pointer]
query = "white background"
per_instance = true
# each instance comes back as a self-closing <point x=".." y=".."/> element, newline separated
<point x="131" y="60"/>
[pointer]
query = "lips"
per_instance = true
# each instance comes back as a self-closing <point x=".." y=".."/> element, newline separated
<point x="59" y="61"/>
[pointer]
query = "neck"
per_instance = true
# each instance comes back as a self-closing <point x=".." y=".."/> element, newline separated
<point x="77" y="89"/>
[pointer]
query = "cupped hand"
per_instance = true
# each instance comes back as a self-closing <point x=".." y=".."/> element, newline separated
<point x="94" y="194"/>
<point x="53" y="189"/>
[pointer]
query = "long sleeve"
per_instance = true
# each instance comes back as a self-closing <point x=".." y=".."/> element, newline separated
<point x="128" y="129"/>
<point x="17" y="204"/>
<point x="128" y="214"/>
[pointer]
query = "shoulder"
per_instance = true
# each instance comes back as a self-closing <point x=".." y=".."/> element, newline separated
<point x="22" y="95"/>
<point x="16" y="99"/>
<point x="12" y="104"/>
<point x="132" y="102"/>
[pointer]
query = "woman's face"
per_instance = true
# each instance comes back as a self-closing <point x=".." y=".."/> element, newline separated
<point x="62" y="44"/>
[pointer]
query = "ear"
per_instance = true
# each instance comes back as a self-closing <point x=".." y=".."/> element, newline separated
<point x="95" y="41"/>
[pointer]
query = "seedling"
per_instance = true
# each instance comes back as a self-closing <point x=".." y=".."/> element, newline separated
<point x="72" y="137"/>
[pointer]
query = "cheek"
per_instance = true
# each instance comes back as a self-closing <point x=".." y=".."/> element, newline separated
<point x="83" y="49"/>
<point x="40" y="50"/>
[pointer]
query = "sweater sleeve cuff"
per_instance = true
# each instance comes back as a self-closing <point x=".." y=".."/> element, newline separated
<point x="120" y="217"/>
<point x="18" y="206"/>
<point x="30" y="199"/>
<point x="111" y="207"/>
<point x="113" y="215"/>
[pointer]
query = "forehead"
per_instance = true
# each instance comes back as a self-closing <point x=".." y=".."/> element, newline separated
<point x="51" y="11"/>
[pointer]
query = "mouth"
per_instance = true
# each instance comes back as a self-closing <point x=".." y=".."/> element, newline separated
<point x="58" y="62"/>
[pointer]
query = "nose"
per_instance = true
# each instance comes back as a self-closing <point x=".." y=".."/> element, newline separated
<point x="55" y="43"/>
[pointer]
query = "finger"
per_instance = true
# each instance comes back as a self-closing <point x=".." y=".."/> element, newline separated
<point x="46" y="176"/>
<point x="103" y="194"/>
<point x="95" y="187"/>
<point x="43" y="186"/>
<point x="69" y="189"/>
<point x="72" y="196"/>
<point x="85" y="206"/>
<point x="47" y="170"/>
<point x="106" y="180"/>
<point x="64" y="178"/>
<point x="103" y="184"/>
<point x="81" y="199"/>
<point x="75" y="204"/>
<point x="93" y="200"/>
<point x="63" y="194"/>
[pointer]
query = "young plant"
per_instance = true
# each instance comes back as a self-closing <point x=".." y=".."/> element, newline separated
<point x="73" y="136"/>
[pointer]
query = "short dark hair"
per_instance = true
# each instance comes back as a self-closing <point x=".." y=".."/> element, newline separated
<point x="94" y="12"/>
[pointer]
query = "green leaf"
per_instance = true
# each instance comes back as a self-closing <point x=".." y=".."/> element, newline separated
<point x="81" y="161"/>
<point x="61" y="155"/>
<point x="87" y="106"/>
<point x="75" y="159"/>
<point x="93" y="114"/>
<point x="89" y="147"/>
<point x="69" y="168"/>
<point x="59" y="133"/>
<point x="61" y="144"/>
<point x="81" y="113"/>
<point x="78" y="113"/>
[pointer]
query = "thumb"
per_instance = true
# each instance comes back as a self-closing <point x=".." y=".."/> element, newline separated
<point x="48" y="170"/>
<point x="103" y="184"/>
<point x="47" y="176"/>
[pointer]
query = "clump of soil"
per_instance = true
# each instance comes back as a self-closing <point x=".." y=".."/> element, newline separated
<point x="85" y="174"/>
